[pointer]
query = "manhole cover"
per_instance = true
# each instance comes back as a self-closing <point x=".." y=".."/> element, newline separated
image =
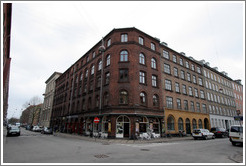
<point x="144" y="149"/>
<point x="101" y="156"/>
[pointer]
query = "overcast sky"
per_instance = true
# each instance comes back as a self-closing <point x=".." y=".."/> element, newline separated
<point x="51" y="36"/>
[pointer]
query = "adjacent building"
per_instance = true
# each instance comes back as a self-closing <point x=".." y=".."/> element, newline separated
<point x="46" y="110"/>
<point x="7" y="16"/>
<point x="238" y="95"/>
<point x="220" y="97"/>
<point x="134" y="83"/>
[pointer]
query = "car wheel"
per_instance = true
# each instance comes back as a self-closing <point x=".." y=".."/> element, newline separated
<point x="195" y="138"/>
<point x="233" y="143"/>
<point x="222" y="136"/>
<point x="213" y="137"/>
<point x="205" y="138"/>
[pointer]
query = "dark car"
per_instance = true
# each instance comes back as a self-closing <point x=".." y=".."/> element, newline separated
<point x="47" y="130"/>
<point x="219" y="132"/>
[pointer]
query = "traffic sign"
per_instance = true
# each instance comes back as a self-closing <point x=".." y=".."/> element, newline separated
<point x="96" y="120"/>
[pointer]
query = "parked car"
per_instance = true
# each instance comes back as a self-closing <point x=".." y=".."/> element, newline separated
<point x="219" y="132"/>
<point x="236" y="134"/>
<point x="28" y="127"/>
<point x="13" y="130"/>
<point x="202" y="133"/>
<point x="36" y="129"/>
<point x="47" y="130"/>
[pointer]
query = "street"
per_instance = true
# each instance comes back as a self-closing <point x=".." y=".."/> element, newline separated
<point x="32" y="147"/>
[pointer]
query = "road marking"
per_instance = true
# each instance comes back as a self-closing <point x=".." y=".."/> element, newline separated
<point x="148" y="145"/>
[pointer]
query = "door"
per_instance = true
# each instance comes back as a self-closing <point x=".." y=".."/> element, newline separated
<point x="188" y="130"/>
<point x="126" y="130"/>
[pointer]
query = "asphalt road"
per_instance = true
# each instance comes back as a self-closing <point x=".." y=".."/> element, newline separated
<point x="33" y="147"/>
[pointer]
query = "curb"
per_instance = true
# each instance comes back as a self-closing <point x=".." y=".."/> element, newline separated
<point x="122" y="141"/>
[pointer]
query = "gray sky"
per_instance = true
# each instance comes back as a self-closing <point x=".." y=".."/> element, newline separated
<point x="51" y="36"/>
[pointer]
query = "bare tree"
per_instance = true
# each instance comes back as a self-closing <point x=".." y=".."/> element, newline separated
<point x="34" y="106"/>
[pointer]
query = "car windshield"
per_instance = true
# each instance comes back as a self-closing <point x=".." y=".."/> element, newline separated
<point x="196" y="131"/>
<point x="14" y="127"/>
<point x="237" y="129"/>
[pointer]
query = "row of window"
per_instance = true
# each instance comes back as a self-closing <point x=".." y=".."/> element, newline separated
<point x="237" y="87"/>
<point x="216" y="88"/>
<point x="220" y="99"/>
<point x="187" y="65"/>
<point x="217" y="78"/>
<point x="222" y="123"/>
<point x="168" y="86"/>
<point x="170" y="104"/>
<point x="171" y="123"/>
<point x="167" y="69"/>
<point x="124" y="38"/>
<point x="221" y="111"/>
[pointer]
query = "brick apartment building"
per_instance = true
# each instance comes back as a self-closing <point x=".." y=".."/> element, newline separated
<point x="136" y="83"/>
<point x="7" y="15"/>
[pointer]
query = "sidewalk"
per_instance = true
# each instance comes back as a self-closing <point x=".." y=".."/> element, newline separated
<point x="122" y="141"/>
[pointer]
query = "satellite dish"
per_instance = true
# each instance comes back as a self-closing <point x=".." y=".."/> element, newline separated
<point x="101" y="48"/>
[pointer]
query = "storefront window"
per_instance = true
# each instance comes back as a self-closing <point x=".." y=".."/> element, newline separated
<point x="170" y="123"/>
<point x="181" y="127"/>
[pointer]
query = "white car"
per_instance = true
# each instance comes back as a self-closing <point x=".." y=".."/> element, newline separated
<point x="202" y="133"/>
<point x="236" y="134"/>
<point x="36" y="129"/>
<point x="13" y="130"/>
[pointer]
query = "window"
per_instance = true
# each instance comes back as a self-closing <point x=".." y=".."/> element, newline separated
<point x="184" y="89"/>
<point x="123" y="97"/>
<point x="202" y="94"/>
<point x="179" y="104"/>
<point x="93" y="54"/>
<point x="192" y="67"/>
<point x="81" y="76"/>
<point x="152" y="45"/>
<point x="142" y="76"/>
<point x="141" y="58"/>
<point x="154" y="81"/>
<point x="107" y="78"/>
<point x="124" y="56"/>
<point x="177" y="87"/>
<point x="109" y="42"/>
<point x="187" y="65"/>
<point x="190" y="91"/>
<point x="185" y="105"/>
<point x="182" y="75"/>
<point x="204" y="108"/>
<point x="194" y="79"/>
<point x="200" y="123"/>
<point x="153" y="63"/>
<point x="155" y="101"/>
<point x="85" y="88"/>
<point x="142" y="98"/>
<point x="198" y="70"/>
<point x="175" y="72"/>
<point x="86" y="73"/>
<point x="165" y="54"/>
<point x="198" y="107"/>
<point x="188" y="77"/>
<point x="124" y="38"/>
<point x="200" y="81"/>
<point x="181" y="61"/>
<point x="92" y="70"/>
<point x="205" y="73"/>
<point x="196" y="93"/>
<point x="169" y="102"/>
<point x="108" y="60"/>
<point x="87" y="59"/>
<point x="97" y="101"/>
<point x="174" y="58"/>
<point x="140" y="40"/>
<point x="168" y="85"/>
<point x="98" y="81"/>
<point x="194" y="125"/>
<point x="105" y="98"/>
<point x="170" y="123"/>
<point x="167" y="68"/>
<point x="123" y="75"/>
<point x="180" y="124"/>
<point x="91" y="85"/>
<point x="100" y="65"/>
<point x="192" y="108"/>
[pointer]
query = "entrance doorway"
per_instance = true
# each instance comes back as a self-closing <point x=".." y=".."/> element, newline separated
<point x="206" y="125"/>
<point x="187" y="124"/>
<point x="122" y="127"/>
